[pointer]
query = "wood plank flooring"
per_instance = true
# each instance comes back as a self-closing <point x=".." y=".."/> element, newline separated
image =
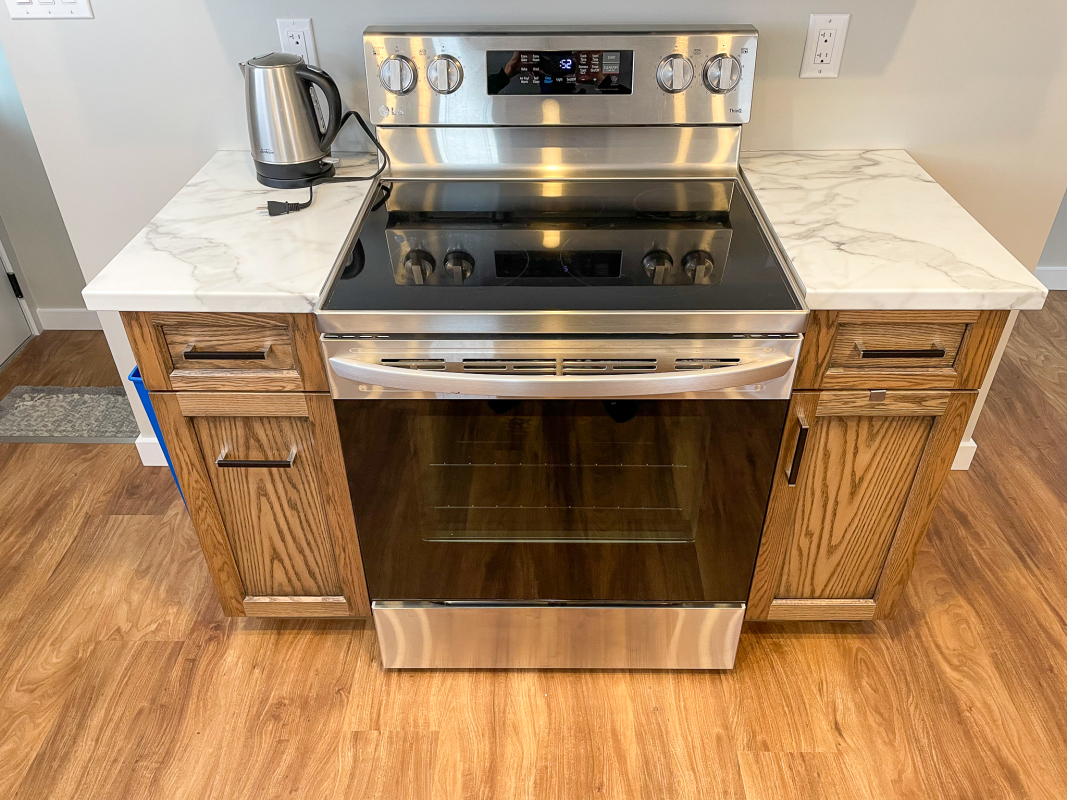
<point x="120" y="678"/>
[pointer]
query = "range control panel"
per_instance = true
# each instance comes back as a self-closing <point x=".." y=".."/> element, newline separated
<point x="455" y="76"/>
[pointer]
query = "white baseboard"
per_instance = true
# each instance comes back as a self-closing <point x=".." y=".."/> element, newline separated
<point x="150" y="452"/>
<point x="69" y="319"/>
<point x="965" y="454"/>
<point x="1052" y="277"/>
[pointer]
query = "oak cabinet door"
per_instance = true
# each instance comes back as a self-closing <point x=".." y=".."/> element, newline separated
<point x="265" y="484"/>
<point x="857" y="479"/>
<point x="263" y="476"/>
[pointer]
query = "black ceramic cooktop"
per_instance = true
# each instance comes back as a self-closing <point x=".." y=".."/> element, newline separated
<point x="633" y="245"/>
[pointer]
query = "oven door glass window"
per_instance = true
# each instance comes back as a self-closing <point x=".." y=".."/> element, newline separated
<point x="560" y="500"/>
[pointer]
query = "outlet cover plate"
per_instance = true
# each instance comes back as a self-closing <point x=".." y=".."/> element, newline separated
<point x="57" y="9"/>
<point x="824" y="46"/>
<point x="298" y="37"/>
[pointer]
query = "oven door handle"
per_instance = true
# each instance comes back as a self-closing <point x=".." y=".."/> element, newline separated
<point x="509" y="384"/>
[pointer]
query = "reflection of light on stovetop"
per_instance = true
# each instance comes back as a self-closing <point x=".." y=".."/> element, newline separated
<point x="563" y="205"/>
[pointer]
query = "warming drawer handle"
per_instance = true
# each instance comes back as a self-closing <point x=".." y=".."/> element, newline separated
<point x="192" y="354"/>
<point x="245" y="463"/>
<point x="562" y="386"/>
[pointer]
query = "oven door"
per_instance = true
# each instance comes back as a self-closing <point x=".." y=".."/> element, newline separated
<point x="573" y="532"/>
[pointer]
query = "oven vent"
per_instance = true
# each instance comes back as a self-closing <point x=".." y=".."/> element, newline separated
<point x="415" y="363"/>
<point x="534" y="366"/>
<point x="705" y="363"/>
<point x="584" y="366"/>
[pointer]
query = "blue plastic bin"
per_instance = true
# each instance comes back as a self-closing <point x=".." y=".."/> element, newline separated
<point x="146" y="401"/>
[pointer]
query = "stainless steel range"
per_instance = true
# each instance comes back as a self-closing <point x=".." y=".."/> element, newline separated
<point x="562" y="340"/>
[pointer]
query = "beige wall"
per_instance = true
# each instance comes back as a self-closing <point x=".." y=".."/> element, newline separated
<point x="126" y="107"/>
<point x="36" y="239"/>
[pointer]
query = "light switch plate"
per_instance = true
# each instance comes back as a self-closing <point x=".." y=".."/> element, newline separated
<point x="824" y="46"/>
<point x="56" y="9"/>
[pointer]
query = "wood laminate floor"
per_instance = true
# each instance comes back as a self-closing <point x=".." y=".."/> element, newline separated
<point x="120" y="678"/>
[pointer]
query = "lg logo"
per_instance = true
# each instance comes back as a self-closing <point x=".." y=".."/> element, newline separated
<point x="385" y="111"/>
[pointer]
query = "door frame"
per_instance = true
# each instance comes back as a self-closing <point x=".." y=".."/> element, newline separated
<point x="31" y="326"/>
<point x="27" y="311"/>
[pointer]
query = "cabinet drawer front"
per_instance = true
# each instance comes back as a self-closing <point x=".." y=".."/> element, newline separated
<point x="206" y="356"/>
<point x="888" y="346"/>
<point x="227" y="352"/>
<point x="262" y="471"/>
<point x="898" y="349"/>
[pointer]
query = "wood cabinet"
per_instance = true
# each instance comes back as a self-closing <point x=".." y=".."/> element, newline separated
<point x="855" y="487"/>
<point x="266" y="490"/>
<point x="881" y="404"/>
<point x="262" y="471"/>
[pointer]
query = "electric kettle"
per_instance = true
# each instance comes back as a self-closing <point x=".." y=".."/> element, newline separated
<point x="289" y="149"/>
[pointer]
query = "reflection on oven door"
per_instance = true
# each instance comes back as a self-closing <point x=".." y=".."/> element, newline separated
<point x="559" y="478"/>
<point x="616" y="501"/>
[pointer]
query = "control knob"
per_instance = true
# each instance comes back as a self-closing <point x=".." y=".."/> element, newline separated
<point x="675" y="73"/>
<point x="722" y="73"/>
<point x="699" y="267"/>
<point x="444" y="74"/>
<point x="459" y="266"/>
<point x="420" y="265"/>
<point x="398" y="74"/>
<point x="658" y="266"/>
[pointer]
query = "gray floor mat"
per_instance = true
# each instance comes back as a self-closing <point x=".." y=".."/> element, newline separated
<point x="62" y="414"/>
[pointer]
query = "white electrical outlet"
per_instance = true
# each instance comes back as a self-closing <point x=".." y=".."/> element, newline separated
<point x="298" y="38"/>
<point x="824" y="46"/>
<point x="50" y="9"/>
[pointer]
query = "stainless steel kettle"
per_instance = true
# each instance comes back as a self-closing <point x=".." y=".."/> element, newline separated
<point x="287" y="145"/>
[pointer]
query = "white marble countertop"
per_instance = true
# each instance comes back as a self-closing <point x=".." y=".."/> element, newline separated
<point x="870" y="229"/>
<point x="864" y="230"/>
<point x="210" y="249"/>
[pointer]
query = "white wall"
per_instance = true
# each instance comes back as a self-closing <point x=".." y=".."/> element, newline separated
<point x="33" y="233"/>
<point x="126" y="107"/>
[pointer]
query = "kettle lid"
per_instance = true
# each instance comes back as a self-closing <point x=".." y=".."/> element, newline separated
<point x="275" y="60"/>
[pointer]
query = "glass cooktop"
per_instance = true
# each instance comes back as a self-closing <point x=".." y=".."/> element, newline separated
<point x="634" y="245"/>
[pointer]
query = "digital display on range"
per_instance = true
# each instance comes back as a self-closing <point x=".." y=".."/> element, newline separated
<point x="558" y="264"/>
<point x="560" y="71"/>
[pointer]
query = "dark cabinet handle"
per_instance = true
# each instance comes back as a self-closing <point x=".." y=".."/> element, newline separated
<point x="798" y="455"/>
<point x="244" y="463"/>
<point x="192" y="354"/>
<point x="933" y="352"/>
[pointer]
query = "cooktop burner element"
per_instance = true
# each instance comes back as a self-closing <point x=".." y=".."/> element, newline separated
<point x="645" y="245"/>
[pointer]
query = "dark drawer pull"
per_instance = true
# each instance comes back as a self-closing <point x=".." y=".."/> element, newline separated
<point x="244" y="463"/>
<point x="933" y="352"/>
<point x="192" y="354"/>
<point x="798" y="455"/>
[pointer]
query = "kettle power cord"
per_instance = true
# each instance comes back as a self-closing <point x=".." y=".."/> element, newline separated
<point x="276" y="208"/>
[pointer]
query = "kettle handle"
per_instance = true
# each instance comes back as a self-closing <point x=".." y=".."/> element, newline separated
<point x="314" y="75"/>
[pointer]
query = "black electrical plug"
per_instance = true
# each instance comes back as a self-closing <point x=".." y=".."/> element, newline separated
<point x="275" y="208"/>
